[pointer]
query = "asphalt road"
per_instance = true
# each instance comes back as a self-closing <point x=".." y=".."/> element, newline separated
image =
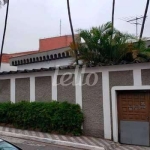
<point x="32" y="145"/>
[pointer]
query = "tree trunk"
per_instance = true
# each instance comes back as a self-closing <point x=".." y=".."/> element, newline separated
<point x="71" y="26"/>
<point x="112" y="20"/>
<point x="144" y="19"/>
<point x="5" y="26"/>
<point x="113" y="12"/>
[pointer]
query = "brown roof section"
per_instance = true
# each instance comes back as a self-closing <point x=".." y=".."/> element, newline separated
<point x="6" y="57"/>
<point x="55" y="42"/>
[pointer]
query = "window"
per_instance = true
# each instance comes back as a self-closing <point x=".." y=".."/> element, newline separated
<point x="47" y="57"/>
<point x="31" y="60"/>
<point x="67" y="54"/>
<point x="59" y="55"/>
<point x="18" y="62"/>
<point x="21" y="62"/>
<point x="40" y="58"/>
<point x="44" y="58"/>
<point x="55" y="56"/>
<point x="27" y="60"/>
<point x="63" y="54"/>
<point x="51" y="56"/>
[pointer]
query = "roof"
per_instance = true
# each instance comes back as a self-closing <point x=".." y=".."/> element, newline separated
<point x="55" y="68"/>
<point x="55" y="42"/>
<point x="37" y="70"/>
<point x="6" y="57"/>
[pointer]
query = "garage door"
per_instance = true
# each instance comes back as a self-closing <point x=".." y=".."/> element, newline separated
<point x="133" y="114"/>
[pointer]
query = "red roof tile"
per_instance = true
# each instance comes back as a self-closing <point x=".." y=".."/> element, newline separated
<point x="6" y="57"/>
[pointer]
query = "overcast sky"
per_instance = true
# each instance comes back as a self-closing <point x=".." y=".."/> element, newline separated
<point x="31" y="20"/>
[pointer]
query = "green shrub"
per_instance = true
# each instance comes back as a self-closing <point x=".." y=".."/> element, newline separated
<point x="64" y="117"/>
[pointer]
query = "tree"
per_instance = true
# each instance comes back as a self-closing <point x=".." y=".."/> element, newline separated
<point x="144" y="19"/>
<point x="113" y="14"/>
<point x="102" y="47"/>
<point x="6" y="18"/>
<point x="71" y="26"/>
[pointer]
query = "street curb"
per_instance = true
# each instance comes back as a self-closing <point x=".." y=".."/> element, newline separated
<point x="51" y="141"/>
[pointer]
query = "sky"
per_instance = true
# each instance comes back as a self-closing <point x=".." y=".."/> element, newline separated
<point x="31" y="20"/>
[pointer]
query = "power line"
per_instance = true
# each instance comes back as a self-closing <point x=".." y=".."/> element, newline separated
<point x="135" y="21"/>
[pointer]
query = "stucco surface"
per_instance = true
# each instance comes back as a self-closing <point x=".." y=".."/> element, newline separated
<point x="43" y="89"/>
<point x="66" y="93"/>
<point x="145" y="73"/>
<point x="4" y="90"/>
<point x="121" y="78"/>
<point x="93" y="107"/>
<point x="22" y="89"/>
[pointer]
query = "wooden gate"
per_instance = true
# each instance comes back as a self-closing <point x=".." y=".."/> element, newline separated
<point x="133" y="117"/>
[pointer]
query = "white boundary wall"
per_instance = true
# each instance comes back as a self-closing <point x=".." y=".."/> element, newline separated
<point x="136" y="68"/>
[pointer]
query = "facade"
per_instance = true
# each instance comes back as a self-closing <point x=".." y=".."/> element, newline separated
<point x="45" y="59"/>
<point x="115" y="99"/>
<point x="119" y="98"/>
<point x="52" y="52"/>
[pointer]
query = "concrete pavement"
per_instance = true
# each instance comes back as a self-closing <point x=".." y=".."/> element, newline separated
<point x="33" y="145"/>
<point x="82" y="142"/>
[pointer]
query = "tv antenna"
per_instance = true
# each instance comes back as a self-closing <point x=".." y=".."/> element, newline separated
<point x="135" y="21"/>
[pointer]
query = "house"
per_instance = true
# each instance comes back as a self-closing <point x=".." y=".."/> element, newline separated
<point x="52" y="52"/>
<point x="115" y="99"/>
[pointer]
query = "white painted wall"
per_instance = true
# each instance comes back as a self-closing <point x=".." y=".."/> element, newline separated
<point x="47" y="64"/>
<point x="7" y="67"/>
<point x="105" y="80"/>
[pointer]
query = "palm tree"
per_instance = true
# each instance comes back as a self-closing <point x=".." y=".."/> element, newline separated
<point x="6" y="18"/>
<point x="98" y="45"/>
<point x="144" y="19"/>
<point x="71" y="26"/>
<point x="112" y="20"/>
<point x="113" y="12"/>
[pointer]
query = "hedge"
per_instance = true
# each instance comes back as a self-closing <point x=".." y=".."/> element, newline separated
<point x="53" y="116"/>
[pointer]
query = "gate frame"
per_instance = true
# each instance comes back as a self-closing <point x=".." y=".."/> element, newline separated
<point x="114" y="105"/>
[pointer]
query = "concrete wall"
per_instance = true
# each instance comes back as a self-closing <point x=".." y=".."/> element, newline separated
<point x="22" y="89"/>
<point x="97" y="102"/>
<point x="7" y="67"/>
<point x="66" y="93"/>
<point x="4" y="90"/>
<point x="145" y="73"/>
<point x="47" y="64"/>
<point x="120" y="78"/>
<point x="93" y="107"/>
<point x="43" y="89"/>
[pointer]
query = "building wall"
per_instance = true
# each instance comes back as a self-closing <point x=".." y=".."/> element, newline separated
<point x="96" y="101"/>
<point x="22" y="89"/>
<point x="120" y="78"/>
<point x="47" y="64"/>
<point x="7" y="67"/>
<point x="43" y="89"/>
<point x="93" y="107"/>
<point x="66" y="93"/>
<point x="4" y="90"/>
<point x="145" y="73"/>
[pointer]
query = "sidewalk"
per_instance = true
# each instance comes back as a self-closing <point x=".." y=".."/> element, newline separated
<point x="82" y="142"/>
